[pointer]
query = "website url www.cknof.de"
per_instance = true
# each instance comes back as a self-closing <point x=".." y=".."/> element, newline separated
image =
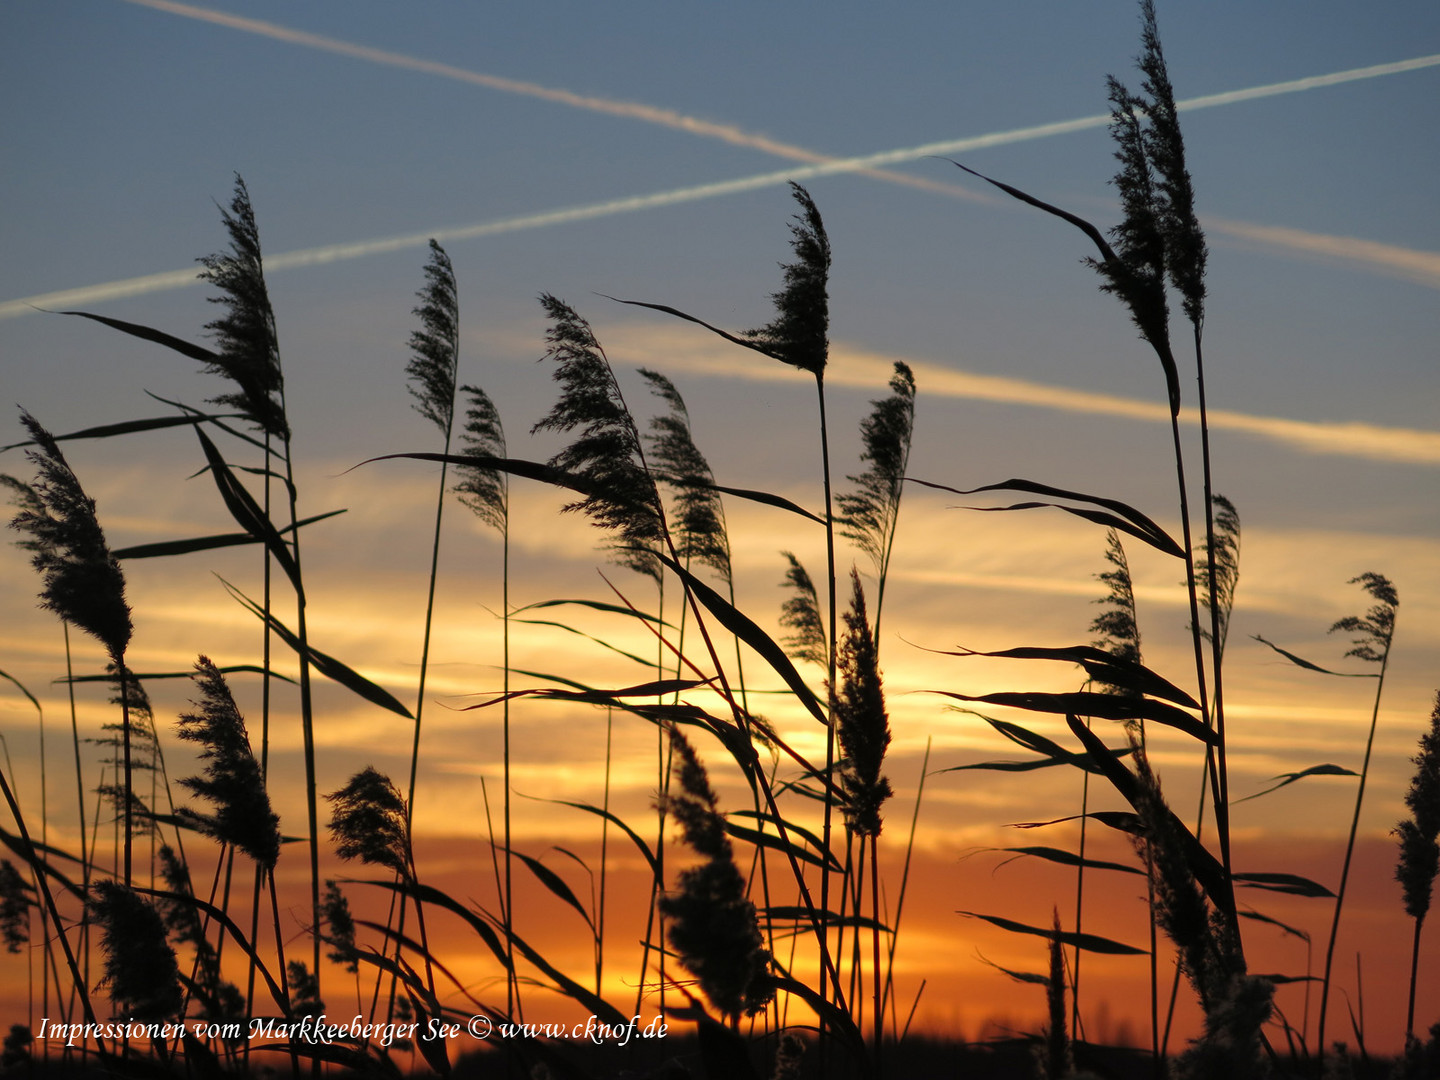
<point x="322" y="1030"/>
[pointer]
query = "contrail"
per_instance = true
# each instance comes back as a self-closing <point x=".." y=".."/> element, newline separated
<point x="820" y="165"/>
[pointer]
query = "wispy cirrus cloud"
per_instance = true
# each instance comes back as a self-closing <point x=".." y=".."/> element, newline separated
<point x="867" y="370"/>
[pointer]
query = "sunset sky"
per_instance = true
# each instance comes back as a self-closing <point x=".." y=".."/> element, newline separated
<point x="641" y="151"/>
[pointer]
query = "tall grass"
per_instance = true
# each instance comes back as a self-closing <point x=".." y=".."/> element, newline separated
<point x="767" y="930"/>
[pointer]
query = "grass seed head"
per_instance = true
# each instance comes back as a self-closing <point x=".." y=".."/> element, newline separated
<point x="484" y="490"/>
<point x="862" y="724"/>
<point x="435" y="347"/>
<point x="799" y="333"/>
<point x="368" y="822"/>
<point x="245" y="338"/>
<point x="81" y="581"/>
<point x="141" y="972"/>
<point x="232" y="782"/>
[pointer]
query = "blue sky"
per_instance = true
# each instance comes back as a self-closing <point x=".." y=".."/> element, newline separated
<point x="126" y="121"/>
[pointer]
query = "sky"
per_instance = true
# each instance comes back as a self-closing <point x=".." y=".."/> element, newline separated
<point x="641" y="151"/>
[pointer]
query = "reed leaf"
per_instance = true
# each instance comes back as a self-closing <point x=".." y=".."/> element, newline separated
<point x="1101" y="706"/>
<point x="126" y="427"/>
<point x="163" y="548"/>
<point x="1113" y="514"/>
<point x="741" y="625"/>
<point x="1122" y="673"/>
<point x="326" y="664"/>
<point x="1287" y="779"/>
<point x="1089" y="942"/>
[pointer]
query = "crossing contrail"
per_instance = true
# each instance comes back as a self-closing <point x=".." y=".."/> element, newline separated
<point x="816" y="165"/>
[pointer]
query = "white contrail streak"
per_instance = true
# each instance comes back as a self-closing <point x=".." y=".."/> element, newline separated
<point x="1419" y="264"/>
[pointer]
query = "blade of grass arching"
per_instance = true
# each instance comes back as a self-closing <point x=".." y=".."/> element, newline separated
<point x="744" y="628"/>
<point x="1116" y="515"/>
<point x="128" y="427"/>
<point x="332" y="668"/>
<point x="37" y="864"/>
<point x="1087" y="703"/>
<point x="1090" y="942"/>
<point x="204" y="543"/>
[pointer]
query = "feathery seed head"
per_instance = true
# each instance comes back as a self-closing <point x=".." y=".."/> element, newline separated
<point x="870" y="512"/>
<point x="607" y="452"/>
<point x="713" y="926"/>
<point x="368" y="822"/>
<point x="249" y="352"/>
<point x="1376" y="628"/>
<point x="862" y="724"/>
<point x="82" y="582"/>
<point x="232" y="781"/>
<point x="1185" y="248"/>
<point x="436" y="345"/>
<point x="699" y="518"/>
<point x="799" y="333"/>
<point x="1419" y="850"/>
<point x="483" y="489"/>
<point x="140" y="968"/>
<point x="800" y="614"/>
<point x="340" y="925"/>
<point x="15" y="901"/>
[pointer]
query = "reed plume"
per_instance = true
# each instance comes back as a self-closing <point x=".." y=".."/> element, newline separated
<point x="340" y="925"/>
<point x="871" y="512"/>
<point x="82" y="582"/>
<point x="698" y="524"/>
<point x="247" y="350"/>
<point x="1117" y="628"/>
<point x="862" y="724"/>
<point x="607" y="452"/>
<point x="1419" y="852"/>
<point x="368" y="822"/>
<point x="141" y="973"/>
<point x="1236" y="1004"/>
<point x="713" y="927"/>
<point x="15" y="903"/>
<point x="232" y="783"/>
<point x="435" y="347"/>
<point x="800" y="614"/>
<point x="799" y="333"/>
<point x="481" y="488"/>
<point x="1218" y="570"/>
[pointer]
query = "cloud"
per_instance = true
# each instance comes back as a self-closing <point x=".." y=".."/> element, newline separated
<point x="1420" y="267"/>
<point x="869" y="370"/>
